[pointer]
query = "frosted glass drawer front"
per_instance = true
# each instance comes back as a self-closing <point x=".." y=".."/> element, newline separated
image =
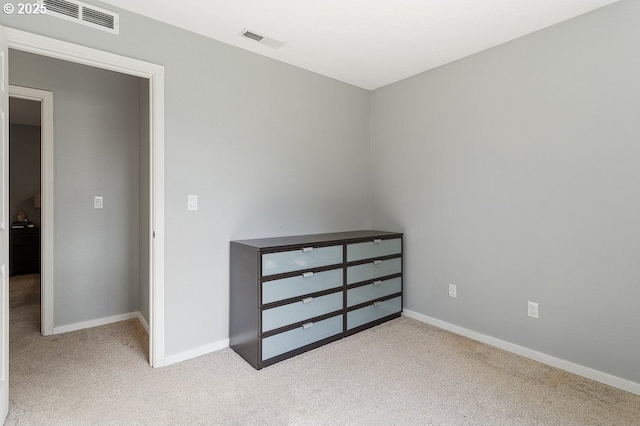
<point x="301" y="336"/>
<point x="371" y="313"/>
<point x="297" y="260"/>
<point x="371" y="270"/>
<point x="373" y="291"/>
<point x="299" y="311"/>
<point x="375" y="248"/>
<point x="272" y="291"/>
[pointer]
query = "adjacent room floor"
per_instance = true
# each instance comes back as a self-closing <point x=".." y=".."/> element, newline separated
<point x="402" y="373"/>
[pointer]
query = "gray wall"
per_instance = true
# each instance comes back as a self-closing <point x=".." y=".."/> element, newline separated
<point x="269" y="148"/>
<point x="95" y="153"/>
<point x="515" y="174"/>
<point x="24" y="170"/>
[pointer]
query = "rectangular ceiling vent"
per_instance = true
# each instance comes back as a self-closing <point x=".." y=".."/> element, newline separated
<point x="83" y="13"/>
<point x="262" y="39"/>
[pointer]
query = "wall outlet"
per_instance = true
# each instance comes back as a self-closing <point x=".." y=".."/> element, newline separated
<point x="98" y="202"/>
<point x="532" y="310"/>
<point x="452" y="290"/>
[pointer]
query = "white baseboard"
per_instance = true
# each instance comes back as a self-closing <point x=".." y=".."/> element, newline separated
<point x="562" y="364"/>
<point x="94" y="323"/>
<point x="143" y="321"/>
<point x="202" y="350"/>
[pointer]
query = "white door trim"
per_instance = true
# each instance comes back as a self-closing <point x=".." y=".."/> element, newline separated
<point x="4" y="226"/>
<point x="46" y="182"/>
<point x="45" y="46"/>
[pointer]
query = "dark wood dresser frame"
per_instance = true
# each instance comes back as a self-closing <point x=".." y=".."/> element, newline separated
<point x="246" y="279"/>
<point x="24" y="251"/>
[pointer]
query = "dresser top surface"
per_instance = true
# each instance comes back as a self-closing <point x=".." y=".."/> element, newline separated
<point x="265" y="243"/>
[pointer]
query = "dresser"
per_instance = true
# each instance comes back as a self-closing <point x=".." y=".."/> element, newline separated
<point x="24" y="251"/>
<point x="292" y="294"/>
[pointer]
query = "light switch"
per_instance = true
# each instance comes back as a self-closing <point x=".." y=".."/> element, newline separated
<point x="98" y="202"/>
<point x="192" y="202"/>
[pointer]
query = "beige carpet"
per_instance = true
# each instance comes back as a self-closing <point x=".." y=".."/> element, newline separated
<point x="401" y="373"/>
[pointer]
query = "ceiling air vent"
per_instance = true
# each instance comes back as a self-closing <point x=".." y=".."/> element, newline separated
<point x="252" y="36"/>
<point x="262" y="39"/>
<point x="83" y="13"/>
<point x="63" y="7"/>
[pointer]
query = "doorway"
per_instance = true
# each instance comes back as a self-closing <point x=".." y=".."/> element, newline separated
<point x="47" y="47"/>
<point x="40" y="112"/>
<point x="25" y="206"/>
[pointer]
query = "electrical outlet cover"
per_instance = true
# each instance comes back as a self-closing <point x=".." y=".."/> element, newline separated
<point x="452" y="290"/>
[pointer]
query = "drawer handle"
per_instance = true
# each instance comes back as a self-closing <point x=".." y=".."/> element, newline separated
<point x="376" y="304"/>
<point x="307" y="274"/>
<point x="377" y="282"/>
<point x="307" y="249"/>
<point x="307" y="300"/>
<point x="377" y="241"/>
<point x="307" y="325"/>
<point x="377" y="262"/>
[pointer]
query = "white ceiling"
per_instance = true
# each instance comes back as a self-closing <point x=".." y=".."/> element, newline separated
<point x="367" y="43"/>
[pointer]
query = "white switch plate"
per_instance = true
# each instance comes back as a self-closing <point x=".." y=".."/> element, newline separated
<point x="98" y="202"/>
<point x="532" y="309"/>
<point x="192" y="202"/>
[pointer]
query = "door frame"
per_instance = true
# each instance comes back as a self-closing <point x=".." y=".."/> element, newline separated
<point x="46" y="186"/>
<point x="45" y="46"/>
<point x="5" y="227"/>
